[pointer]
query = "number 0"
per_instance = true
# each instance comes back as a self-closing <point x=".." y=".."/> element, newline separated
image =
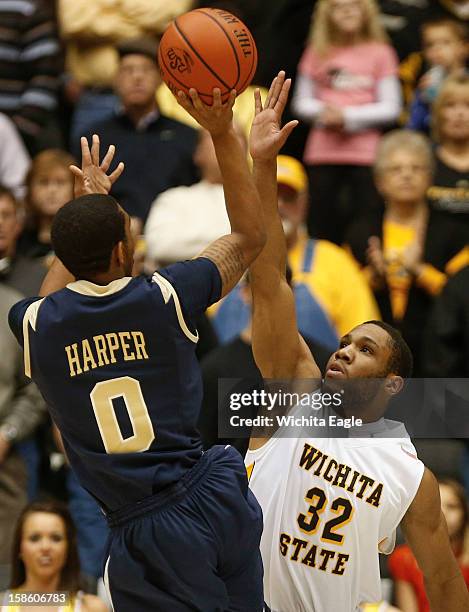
<point x="102" y="398"/>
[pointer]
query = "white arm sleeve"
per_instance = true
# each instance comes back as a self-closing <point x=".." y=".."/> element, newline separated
<point x="14" y="159"/>
<point x="385" y="110"/>
<point x="304" y="104"/>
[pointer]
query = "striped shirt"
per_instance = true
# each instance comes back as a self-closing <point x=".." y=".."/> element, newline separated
<point x="30" y="63"/>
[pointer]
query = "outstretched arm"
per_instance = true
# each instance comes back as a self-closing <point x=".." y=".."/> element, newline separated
<point x="279" y="350"/>
<point x="425" y="529"/>
<point x="91" y="178"/>
<point x="233" y="253"/>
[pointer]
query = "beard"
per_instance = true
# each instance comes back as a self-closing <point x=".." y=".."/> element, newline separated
<point x="357" y="393"/>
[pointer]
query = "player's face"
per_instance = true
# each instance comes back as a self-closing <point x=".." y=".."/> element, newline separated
<point x="451" y="507"/>
<point x="50" y="191"/>
<point x="43" y="544"/>
<point x="404" y="178"/>
<point x="362" y="353"/>
<point x="137" y="81"/>
<point x="346" y="16"/>
<point x="442" y="47"/>
<point x="9" y="226"/>
<point x="454" y="115"/>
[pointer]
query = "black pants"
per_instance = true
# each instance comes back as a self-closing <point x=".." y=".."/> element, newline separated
<point x="338" y="195"/>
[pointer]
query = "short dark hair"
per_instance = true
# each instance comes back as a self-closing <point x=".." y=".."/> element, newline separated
<point x="144" y="45"/>
<point x="6" y="192"/>
<point x="459" y="29"/>
<point x="400" y="361"/>
<point x="84" y="233"/>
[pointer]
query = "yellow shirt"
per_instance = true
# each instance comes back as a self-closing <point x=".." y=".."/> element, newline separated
<point x="336" y="281"/>
<point x="396" y="239"/>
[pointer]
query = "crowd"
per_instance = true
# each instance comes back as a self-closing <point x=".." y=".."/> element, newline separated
<point x="373" y="191"/>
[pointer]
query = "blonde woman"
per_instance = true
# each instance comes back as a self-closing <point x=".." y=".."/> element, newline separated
<point x="408" y="251"/>
<point x="450" y="188"/>
<point x="347" y="89"/>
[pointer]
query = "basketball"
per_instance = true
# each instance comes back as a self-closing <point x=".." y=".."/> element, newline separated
<point x="207" y="48"/>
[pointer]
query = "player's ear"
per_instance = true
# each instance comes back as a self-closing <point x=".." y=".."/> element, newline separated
<point x="394" y="385"/>
<point x="119" y="253"/>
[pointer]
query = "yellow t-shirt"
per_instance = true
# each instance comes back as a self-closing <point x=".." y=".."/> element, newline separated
<point x="396" y="239"/>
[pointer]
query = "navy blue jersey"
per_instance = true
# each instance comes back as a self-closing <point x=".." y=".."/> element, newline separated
<point x="116" y="365"/>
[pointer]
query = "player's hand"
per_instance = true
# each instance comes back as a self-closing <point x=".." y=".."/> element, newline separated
<point x="217" y="118"/>
<point x="93" y="177"/>
<point x="267" y="136"/>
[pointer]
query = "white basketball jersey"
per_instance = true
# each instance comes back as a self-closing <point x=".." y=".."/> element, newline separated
<point x="329" y="505"/>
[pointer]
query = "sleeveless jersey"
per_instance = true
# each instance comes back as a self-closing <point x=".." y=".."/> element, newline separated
<point x="116" y="365"/>
<point x="329" y="505"/>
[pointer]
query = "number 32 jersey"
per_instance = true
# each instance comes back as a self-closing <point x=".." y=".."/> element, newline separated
<point x="116" y="365"/>
<point x="329" y="505"/>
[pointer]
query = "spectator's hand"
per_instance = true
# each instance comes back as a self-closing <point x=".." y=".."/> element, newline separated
<point x="5" y="446"/>
<point x="217" y="118"/>
<point x="267" y="137"/>
<point x="332" y="117"/>
<point x="412" y="258"/>
<point x="93" y="178"/>
<point x="376" y="261"/>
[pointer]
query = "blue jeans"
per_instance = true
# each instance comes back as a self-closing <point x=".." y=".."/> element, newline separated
<point x="92" y="529"/>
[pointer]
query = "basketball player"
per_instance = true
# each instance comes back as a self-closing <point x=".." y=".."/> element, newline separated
<point x="114" y="357"/>
<point x="330" y="504"/>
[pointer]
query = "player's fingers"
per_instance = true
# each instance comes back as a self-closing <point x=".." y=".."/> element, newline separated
<point x="183" y="100"/>
<point x="107" y="159"/>
<point x="232" y="98"/>
<point x="269" y="95"/>
<point x="117" y="172"/>
<point x="277" y="89"/>
<point x="217" y="103"/>
<point x="257" y="101"/>
<point x="196" y="101"/>
<point x="85" y="152"/>
<point x="76" y="171"/>
<point x="282" y="99"/>
<point x="287" y="130"/>
<point x="95" y="150"/>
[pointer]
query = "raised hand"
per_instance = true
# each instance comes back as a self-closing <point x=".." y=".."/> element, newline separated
<point x="93" y="177"/>
<point x="267" y="136"/>
<point x="217" y="118"/>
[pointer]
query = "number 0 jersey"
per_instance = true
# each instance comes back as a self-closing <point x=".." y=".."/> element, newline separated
<point x="329" y="505"/>
<point x="116" y="365"/>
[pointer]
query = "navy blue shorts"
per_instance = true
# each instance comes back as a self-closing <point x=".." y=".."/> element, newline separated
<point x="193" y="546"/>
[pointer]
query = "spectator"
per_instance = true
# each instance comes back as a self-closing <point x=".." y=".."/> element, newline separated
<point x="49" y="186"/>
<point x="21" y="410"/>
<point x="157" y="151"/>
<point x="22" y="273"/>
<point x="235" y="360"/>
<point x="445" y="53"/>
<point x="409" y="251"/>
<point x="45" y="559"/>
<point x="450" y="189"/>
<point x="331" y="293"/>
<point x="409" y="584"/>
<point x="347" y="87"/>
<point x="447" y="334"/>
<point x="184" y="220"/>
<point x="91" y="31"/>
<point x="30" y="67"/>
<point x="14" y="159"/>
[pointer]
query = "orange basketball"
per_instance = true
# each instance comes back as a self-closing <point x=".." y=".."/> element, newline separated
<point x="207" y="48"/>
